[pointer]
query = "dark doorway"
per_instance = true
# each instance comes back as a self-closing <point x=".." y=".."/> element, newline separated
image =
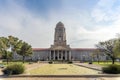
<point x="56" y="58"/>
<point x="63" y="57"/>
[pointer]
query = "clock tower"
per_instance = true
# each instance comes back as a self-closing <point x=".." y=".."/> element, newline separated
<point x="60" y="50"/>
<point x="60" y="35"/>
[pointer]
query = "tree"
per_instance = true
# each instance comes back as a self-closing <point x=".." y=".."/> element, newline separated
<point x="4" y="46"/>
<point x="10" y="45"/>
<point x="15" y="44"/>
<point x="9" y="55"/>
<point x="24" y="50"/>
<point x="108" y="48"/>
<point x="117" y="47"/>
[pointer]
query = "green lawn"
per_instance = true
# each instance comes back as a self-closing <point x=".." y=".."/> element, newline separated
<point x="105" y="63"/>
<point x="61" y="69"/>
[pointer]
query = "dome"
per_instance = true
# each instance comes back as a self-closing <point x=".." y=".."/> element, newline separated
<point x="59" y="24"/>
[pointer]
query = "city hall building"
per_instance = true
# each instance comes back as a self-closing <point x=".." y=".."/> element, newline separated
<point x="60" y="50"/>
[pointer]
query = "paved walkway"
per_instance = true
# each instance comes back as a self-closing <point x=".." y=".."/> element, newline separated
<point x="90" y="66"/>
<point x="1" y="73"/>
<point x="61" y="78"/>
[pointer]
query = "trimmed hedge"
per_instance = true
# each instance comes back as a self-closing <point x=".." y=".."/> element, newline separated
<point x="14" y="69"/>
<point x="50" y="62"/>
<point x="111" y="69"/>
<point x="70" y="62"/>
<point x="90" y="62"/>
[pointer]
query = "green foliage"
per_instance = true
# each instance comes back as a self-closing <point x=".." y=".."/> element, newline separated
<point x="9" y="45"/>
<point x="14" y="69"/>
<point x="4" y="46"/>
<point x="111" y="69"/>
<point x="117" y="48"/>
<point x="24" y="50"/>
<point x="107" y="47"/>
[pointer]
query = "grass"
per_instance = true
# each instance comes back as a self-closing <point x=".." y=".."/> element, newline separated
<point x="105" y="63"/>
<point x="61" y="69"/>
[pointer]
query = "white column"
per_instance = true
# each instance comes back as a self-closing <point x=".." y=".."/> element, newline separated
<point x="50" y="55"/>
<point x="61" y="55"/>
<point x="58" y="54"/>
<point x="69" y="55"/>
<point x="54" y="55"/>
<point x="65" y="55"/>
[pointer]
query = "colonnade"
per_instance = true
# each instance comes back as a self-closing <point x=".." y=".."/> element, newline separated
<point x="60" y="55"/>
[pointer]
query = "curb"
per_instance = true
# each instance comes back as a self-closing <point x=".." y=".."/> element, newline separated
<point x="75" y="76"/>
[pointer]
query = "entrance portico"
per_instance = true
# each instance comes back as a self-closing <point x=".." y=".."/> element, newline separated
<point x="60" y="55"/>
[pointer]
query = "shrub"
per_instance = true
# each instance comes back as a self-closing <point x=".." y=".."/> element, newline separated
<point x="70" y="62"/>
<point x="111" y="69"/>
<point x="14" y="69"/>
<point x="50" y="62"/>
<point x="90" y="62"/>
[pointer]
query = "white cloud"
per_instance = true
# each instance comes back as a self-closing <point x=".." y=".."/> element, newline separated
<point x="81" y="29"/>
<point x="105" y="10"/>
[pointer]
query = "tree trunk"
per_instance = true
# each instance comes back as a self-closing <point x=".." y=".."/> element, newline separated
<point x="23" y="59"/>
<point x="98" y="61"/>
<point x="113" y="60"/>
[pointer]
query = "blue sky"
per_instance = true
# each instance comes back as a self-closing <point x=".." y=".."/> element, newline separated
<point x="86" y="21"/>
